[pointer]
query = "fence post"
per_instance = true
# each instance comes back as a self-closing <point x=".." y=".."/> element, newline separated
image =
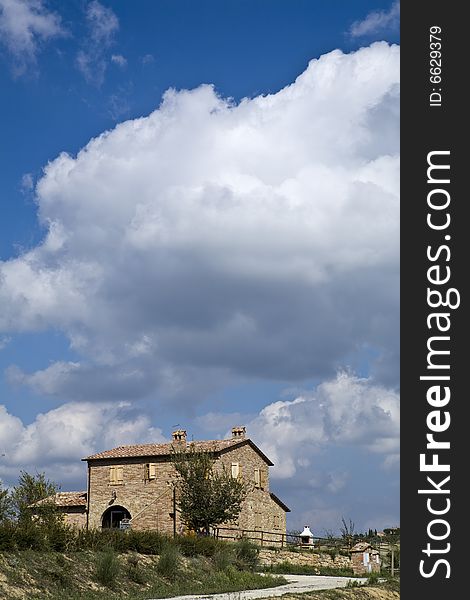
<point x="393" y="562"/>
<point x="262" y="538"/>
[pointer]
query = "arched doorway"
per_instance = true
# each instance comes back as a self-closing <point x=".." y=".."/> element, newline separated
<point x="113" y="516"/>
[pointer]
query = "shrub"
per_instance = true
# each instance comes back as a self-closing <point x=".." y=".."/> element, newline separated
<point x="7" y="537"/>
<point x="224" y="558"/>
<point x="169" y="562"/>
<point x="247" y="554"/>
<point x="107" y="568"/>
<point x="195" y="545"/>
<point x="145" y="542"/>
<point x="373" y="578"/>
<point x="134" y="572"/>
<point x="30" y="536"/>
<point x="353" y="584"/>
<point x="59" y="536"/>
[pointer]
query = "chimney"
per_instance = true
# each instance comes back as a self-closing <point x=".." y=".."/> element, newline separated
<point x="179" y="436"/>
<point x="238" y="433"/>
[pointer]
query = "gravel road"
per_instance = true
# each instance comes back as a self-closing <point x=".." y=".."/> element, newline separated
<point x="297" y="584"/>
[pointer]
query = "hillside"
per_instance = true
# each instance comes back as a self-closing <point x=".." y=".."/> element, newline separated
<point x="106" y="575"/>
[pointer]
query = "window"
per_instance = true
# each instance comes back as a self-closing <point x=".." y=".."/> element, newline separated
<point x="258" y="520"/>
<point x="263" y="479"/>
<point x="116" y="475"/>
<point x="236" y="470"/>
<point x="257" y="478"/>
<point x="277" y="522"/>
<point x="150" y="471"/>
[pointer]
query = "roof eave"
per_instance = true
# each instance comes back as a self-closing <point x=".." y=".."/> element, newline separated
<point x="279" y="502"/>
<point x="252" y="445"/>
<point x="93" y="457"/>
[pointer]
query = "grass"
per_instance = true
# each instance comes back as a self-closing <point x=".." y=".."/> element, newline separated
<point x="286" y="568"/>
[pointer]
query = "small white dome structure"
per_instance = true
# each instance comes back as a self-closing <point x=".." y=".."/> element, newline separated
<point x="306" y="537"/>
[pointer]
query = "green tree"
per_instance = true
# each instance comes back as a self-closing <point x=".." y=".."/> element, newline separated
<point x="6" y="506"/>
<point x="29" y="491"/>
<point x="206" y="496"/>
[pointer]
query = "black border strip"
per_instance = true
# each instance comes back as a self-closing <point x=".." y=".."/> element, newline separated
<point x="433" y="124"/>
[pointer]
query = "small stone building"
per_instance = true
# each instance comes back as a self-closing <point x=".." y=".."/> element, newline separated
<point x="136" y="482"/>
<point x="365" y="559"/>
<point x="71" y="504"/>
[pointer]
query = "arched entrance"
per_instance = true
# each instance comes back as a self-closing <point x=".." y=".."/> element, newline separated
<point x="113" y="516"/>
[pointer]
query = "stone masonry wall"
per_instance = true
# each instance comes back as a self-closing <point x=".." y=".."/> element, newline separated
<point x="305" y="558"/>
<point x="259" y="511"/>
<point x="75" y="519"/>
<point x="149" y="502"/>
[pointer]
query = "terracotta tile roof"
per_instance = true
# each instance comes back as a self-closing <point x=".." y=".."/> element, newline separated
<point x="361" y="547"/>
<point x="137" y="450"/>
<point x="65" y="499"/>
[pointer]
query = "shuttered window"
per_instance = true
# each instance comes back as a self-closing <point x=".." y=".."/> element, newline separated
<point x="263" y="479"/>
<point x="116" y="475"/>
<point x="150" y="471"/>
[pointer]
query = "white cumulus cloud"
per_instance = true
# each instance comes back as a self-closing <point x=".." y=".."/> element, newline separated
<point x="251" y="239"/>
<point x="345" y="411"/>
<point x="56" y="440"/>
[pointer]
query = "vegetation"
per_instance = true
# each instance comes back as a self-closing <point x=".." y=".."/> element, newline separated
<point x="206" y="497"/>
<point x="286" y="568"/>
<point x="30" y="490"/>
<point x="107" y="574"/>
<point x="107" y="568"/>
<point x="42" y="557"/>
<point x="6" y="507"/>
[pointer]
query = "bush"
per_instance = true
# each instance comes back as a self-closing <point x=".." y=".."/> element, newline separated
<point x="7" y="537"/>
<point x="247" y="555"/>
<point x="224" y="558"/>
<point x="134" y="572"/>
<point x="373" y="578"/>
<point x="59" y="537"/>
<point x="196" y="545"/>
<point x="30" y="536"/>
<point x="169" y="562"/>
<point x="145" y="542"/>
<point x="107" y="568"/>
<point x="353" y="584"/>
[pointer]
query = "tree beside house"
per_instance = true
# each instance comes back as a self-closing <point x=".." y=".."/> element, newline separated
<point x="141" y="484"/>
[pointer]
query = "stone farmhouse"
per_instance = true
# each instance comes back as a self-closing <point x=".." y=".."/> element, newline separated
<point x="136" y="483"/>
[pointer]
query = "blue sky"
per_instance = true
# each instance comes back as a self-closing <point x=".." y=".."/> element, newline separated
<point x="200" y="265"/>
